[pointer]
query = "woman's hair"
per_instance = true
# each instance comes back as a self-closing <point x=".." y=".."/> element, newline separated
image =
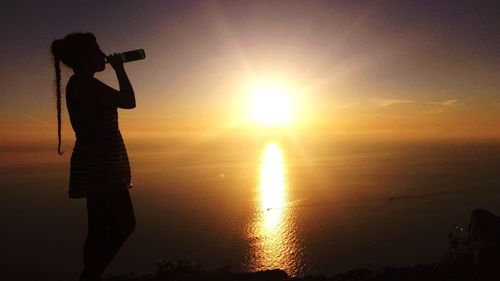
<point x="68" y="50"/>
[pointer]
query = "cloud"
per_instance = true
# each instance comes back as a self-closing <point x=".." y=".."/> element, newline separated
<point x="441" y="106"/>
<point x="346" y="105"/>
<point x="446" y="103"/>
<point x="390" y="102"/>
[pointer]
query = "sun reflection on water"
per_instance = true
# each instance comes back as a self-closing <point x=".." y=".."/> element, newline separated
<point x="274" y="242"/>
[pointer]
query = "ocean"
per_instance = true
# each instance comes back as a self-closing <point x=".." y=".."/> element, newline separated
<point x="305" y="205"/>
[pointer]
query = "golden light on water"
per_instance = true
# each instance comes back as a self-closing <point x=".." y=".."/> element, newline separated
<point x="272" y="185"/>
<point x="274" y="242"/>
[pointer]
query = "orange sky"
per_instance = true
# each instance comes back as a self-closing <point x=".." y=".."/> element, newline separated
<point x="417" y="70"/>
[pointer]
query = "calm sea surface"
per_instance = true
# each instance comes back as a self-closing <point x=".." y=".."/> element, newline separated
<point x="305" y="206"/>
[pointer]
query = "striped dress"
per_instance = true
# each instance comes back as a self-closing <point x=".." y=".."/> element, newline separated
<point x="99" y="161"/>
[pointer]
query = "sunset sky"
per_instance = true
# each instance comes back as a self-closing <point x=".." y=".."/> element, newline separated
<point x="267" y="134"/>
<point x="396" y="68"/>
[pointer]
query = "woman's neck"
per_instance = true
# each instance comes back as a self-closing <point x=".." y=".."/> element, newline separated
<point x="84" y="73"/>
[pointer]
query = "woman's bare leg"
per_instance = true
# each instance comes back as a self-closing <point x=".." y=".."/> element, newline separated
<point x="110" y="222"/>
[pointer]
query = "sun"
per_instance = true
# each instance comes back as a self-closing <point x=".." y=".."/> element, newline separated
<point x="271" y="105"/>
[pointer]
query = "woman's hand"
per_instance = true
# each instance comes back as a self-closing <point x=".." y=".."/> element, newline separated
<point x="116" y="61"/>
<point x="126" y="96"/>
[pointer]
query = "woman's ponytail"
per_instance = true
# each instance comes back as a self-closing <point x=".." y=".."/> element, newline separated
<point x="56" y="50"/>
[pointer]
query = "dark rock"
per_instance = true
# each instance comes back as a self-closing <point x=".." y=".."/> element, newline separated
<point x="424" y="272"/>
<point x="320" y="277"/>
<point x="360" y="274"/>
<point x="266" y="275"/>
<point x="484" y="227"/>
<point x="340" y="277"/>
<point x="484" y="235"/>
<point x="393" y="274"/>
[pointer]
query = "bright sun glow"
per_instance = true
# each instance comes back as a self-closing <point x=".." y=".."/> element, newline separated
<point x="271" y="105"/>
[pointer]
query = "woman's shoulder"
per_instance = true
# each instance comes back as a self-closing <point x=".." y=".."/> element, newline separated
<point x="78" y="85"/>
<point x="89" y="90"/>
<point x="79" y="81"/>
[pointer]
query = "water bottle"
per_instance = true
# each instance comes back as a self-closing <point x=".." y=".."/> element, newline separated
<point x="129" y="56"/>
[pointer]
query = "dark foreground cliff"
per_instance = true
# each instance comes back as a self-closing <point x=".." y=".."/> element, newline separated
<point x="473" y="254"/>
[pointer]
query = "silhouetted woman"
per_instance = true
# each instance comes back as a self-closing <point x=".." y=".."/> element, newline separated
<point x="100" y="168"/>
